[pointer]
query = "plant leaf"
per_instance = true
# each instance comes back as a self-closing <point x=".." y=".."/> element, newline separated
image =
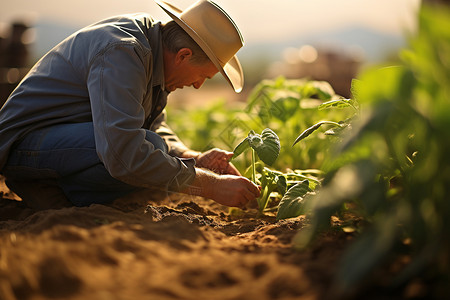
<point x="317" y="89"/>
<point x="266" y="145"/>
<point x="337" y="103"/>
<point x="254" y="140"/>
<point x="285" y="107"/>
<point x="244" y="145"/>
<point x="313" y="128"/>
<point x="291" y="205"/>
<point x="338" y="130"/>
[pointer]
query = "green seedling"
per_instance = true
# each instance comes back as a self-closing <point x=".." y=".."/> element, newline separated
<point x="266" y="147"/>
<point x="291" y="186"/>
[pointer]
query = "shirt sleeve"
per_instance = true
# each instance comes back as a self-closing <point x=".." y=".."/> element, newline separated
<point x="117" y="83"/>
<point x="176" y="146"/>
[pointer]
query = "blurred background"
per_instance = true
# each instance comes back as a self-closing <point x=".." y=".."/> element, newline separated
<point x="320" y="40"/>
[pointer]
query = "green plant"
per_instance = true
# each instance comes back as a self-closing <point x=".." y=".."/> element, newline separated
<point x="338" y="126"/>
<point x="292" y="203"/>
<point x="291" y="187"/>
<point x="287" y="190"/>
<point x="393" y="168"/>
<point x="288" y="105"/>
<point x="267" y="147"/>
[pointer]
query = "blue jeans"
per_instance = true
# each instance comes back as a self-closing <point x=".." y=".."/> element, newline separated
<point x="66" y="154"/>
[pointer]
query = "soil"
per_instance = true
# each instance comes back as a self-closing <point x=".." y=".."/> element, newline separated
<point x="152" y="245"/>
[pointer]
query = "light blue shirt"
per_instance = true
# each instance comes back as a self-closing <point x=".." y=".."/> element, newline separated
<point x="110" y="73"/>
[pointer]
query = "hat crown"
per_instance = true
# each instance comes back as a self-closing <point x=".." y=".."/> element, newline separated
<point x="215" y="28"/>
<point x="214" y="31"/>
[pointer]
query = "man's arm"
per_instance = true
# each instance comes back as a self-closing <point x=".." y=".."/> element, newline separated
<point x="118" y="114"/>
<point x="216" y="160"/>
<point x="229" y="190"/>
<point x="176" y="146"/>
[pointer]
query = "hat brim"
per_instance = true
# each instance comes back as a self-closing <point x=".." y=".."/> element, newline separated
<point x="231" y="70"/>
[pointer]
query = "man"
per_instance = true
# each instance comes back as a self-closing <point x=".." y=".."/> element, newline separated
<point x="88" y="119"/>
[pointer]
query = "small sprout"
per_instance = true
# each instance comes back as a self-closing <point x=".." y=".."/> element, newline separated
<point x="267" y="147"/>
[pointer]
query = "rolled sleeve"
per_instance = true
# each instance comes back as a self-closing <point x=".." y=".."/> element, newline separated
<point x="117" y="83"/>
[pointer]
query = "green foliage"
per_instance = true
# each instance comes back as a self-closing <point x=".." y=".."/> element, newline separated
<point x="340" y="103"/>
<point x="270" y="182"/>
<point x="389" y="165"/>
<point x="205" y="127"/>
<point x="288" y="107"/>
<point x="267" y="147"/>
<point x="394" y="165"/>
<point x="338" y="127"/>
<point x="244" y="145"/>
<point x="284" y="192"/>
<point x="285" y="106"/>
<point x="286" y="185"/>
<point x="291" y="205"/>
<point x="313" y="128"/>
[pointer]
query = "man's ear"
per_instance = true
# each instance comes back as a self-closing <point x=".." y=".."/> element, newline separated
<point x="183" y="55"/>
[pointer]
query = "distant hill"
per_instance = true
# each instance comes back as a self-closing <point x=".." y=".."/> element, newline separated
<point x="375" y="45"/>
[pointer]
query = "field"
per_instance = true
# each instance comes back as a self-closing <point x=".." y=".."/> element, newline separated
<point x="155" y="246"/>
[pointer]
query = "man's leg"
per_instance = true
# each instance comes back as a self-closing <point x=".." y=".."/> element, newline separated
<point x="65" y="155"/>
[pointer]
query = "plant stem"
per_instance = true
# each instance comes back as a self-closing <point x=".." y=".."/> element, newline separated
<point x="253" y="166"/>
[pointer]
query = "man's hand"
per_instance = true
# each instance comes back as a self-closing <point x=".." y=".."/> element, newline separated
<point x="229" y="190"/>
<point x="216" y="160"/>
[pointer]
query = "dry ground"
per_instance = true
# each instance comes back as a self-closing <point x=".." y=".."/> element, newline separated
<point x="158" y="246"/>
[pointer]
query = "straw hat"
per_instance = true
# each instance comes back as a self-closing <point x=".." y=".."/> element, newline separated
<point x="214" y="31"/>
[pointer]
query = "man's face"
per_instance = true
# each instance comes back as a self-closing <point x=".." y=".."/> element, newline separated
<point x="180" y="71"/>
